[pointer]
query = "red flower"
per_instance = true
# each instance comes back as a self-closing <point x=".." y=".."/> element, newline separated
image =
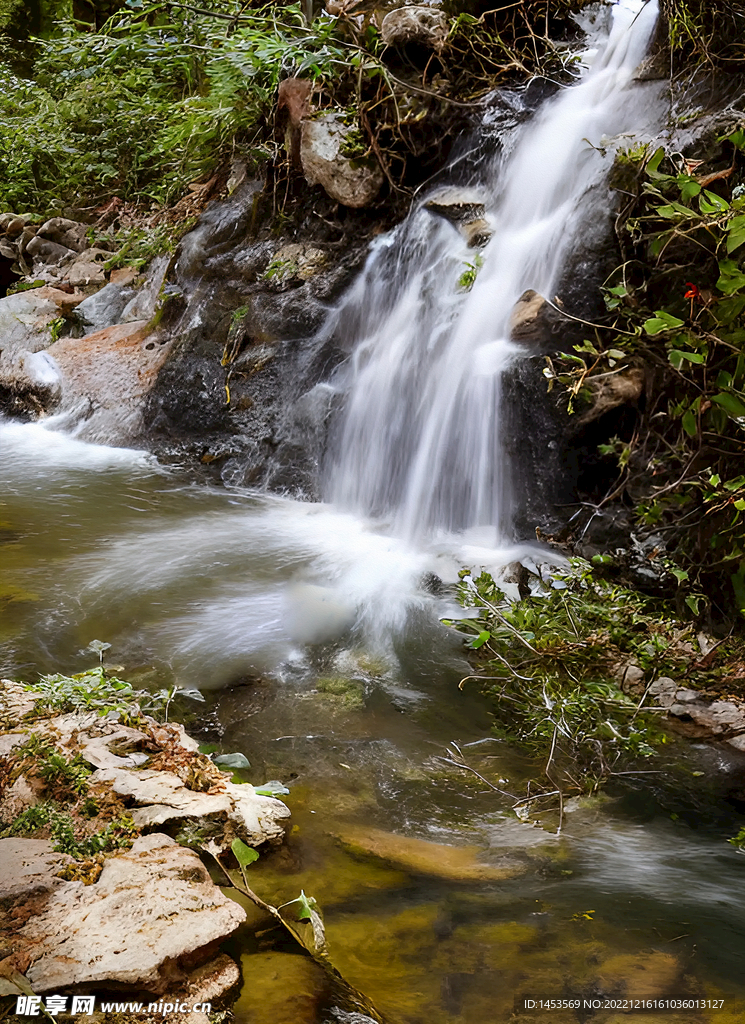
<point x="693" y="292"/>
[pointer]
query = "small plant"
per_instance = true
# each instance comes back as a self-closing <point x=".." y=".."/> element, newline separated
<point x="549" y="665"/>
<point x="118" y="834"/>
<point x="467" y="279"/>
<point x="93" y="690"/>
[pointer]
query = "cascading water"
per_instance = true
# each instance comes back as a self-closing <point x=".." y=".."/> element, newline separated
<point x="417" y="484"/>
<point x="419" y="443"/>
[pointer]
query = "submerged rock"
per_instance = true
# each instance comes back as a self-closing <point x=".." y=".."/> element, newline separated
<point x="458" y="863"/>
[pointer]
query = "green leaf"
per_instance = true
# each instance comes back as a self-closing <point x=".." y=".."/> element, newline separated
<point x="690" y="424"/>
<point x="689" y="187"/>
<point x="731" y="404"/>
<point x="710" y="202"/>
<point x="245" y="855"/>
<point x="735" y="233"/>
<point x="731" y="278"/>
<point x="480" y="640"/>
<point x="677" y="357"/>
<point x="662" y="321"/>
<point x="307" y="905"/>
<point x="233" y="760"/>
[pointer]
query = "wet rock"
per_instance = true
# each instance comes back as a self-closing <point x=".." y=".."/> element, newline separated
<point x="112" y="372"/>
<point x="281" y="988"/>
<point x="144" y="304"/>
<point x="419" y="856"/>
<point x="465" y="208"/>
<point x="350" y="182"/>
<point x="113" y="935"/>
<point x="534" y="321"/>
<point x="634" y="976"/>
<point x="425" y="26"/>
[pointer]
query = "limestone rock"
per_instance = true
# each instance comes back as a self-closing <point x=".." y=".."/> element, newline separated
<point x="28" y="867"/>
<point x="114" y="934"/>
<point x="425" y="26"/>
<point x="15" y="702"/>
<point x="161" y="797"/>
<point x="350" y="183"/>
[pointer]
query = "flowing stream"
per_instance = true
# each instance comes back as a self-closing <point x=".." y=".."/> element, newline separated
<point x="311" y="631"/>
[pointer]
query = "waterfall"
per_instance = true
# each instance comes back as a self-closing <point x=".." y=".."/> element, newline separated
<point x="418" y="443"/>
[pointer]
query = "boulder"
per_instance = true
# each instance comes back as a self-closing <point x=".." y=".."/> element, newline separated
<point x="46" y="251"/>
<point x="611" y="391"/>
<point x="153" y="914"/>
<point x="350" y="182"/>
<point x="534" y="321"/>
<point x="69" y="233"/>
<point x="111" y="370"/>
<point x="424" y="26"/>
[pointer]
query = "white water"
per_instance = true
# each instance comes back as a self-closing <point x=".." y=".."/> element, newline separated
<point x="420" y="442"/>
<point x="218" y="585"/>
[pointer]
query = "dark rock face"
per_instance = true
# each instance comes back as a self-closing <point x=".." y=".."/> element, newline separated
<point x="238" y="390"/>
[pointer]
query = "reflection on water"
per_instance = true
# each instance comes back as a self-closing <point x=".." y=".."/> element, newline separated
<point x="210" y="588"/>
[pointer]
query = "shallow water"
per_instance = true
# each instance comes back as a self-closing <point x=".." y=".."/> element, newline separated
<point x="199" y="586"/>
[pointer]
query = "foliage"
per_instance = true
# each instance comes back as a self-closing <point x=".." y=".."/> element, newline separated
<point x="551" y="666"/>
<point x="117" y="835"/>
<point x="704" y="32"/>
<point x="150" y="102"/>
<point x="161" y="93"/>
<point x="678" y="303"/>
<point x="93" y="690"/>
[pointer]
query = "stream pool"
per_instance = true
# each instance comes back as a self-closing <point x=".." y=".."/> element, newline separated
<point x="321" y="658"/>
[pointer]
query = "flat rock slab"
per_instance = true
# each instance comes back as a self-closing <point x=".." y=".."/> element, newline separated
<point x="28" y="868"/>
<point x="162" y="797"/>
<point x="153" y="913"/>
